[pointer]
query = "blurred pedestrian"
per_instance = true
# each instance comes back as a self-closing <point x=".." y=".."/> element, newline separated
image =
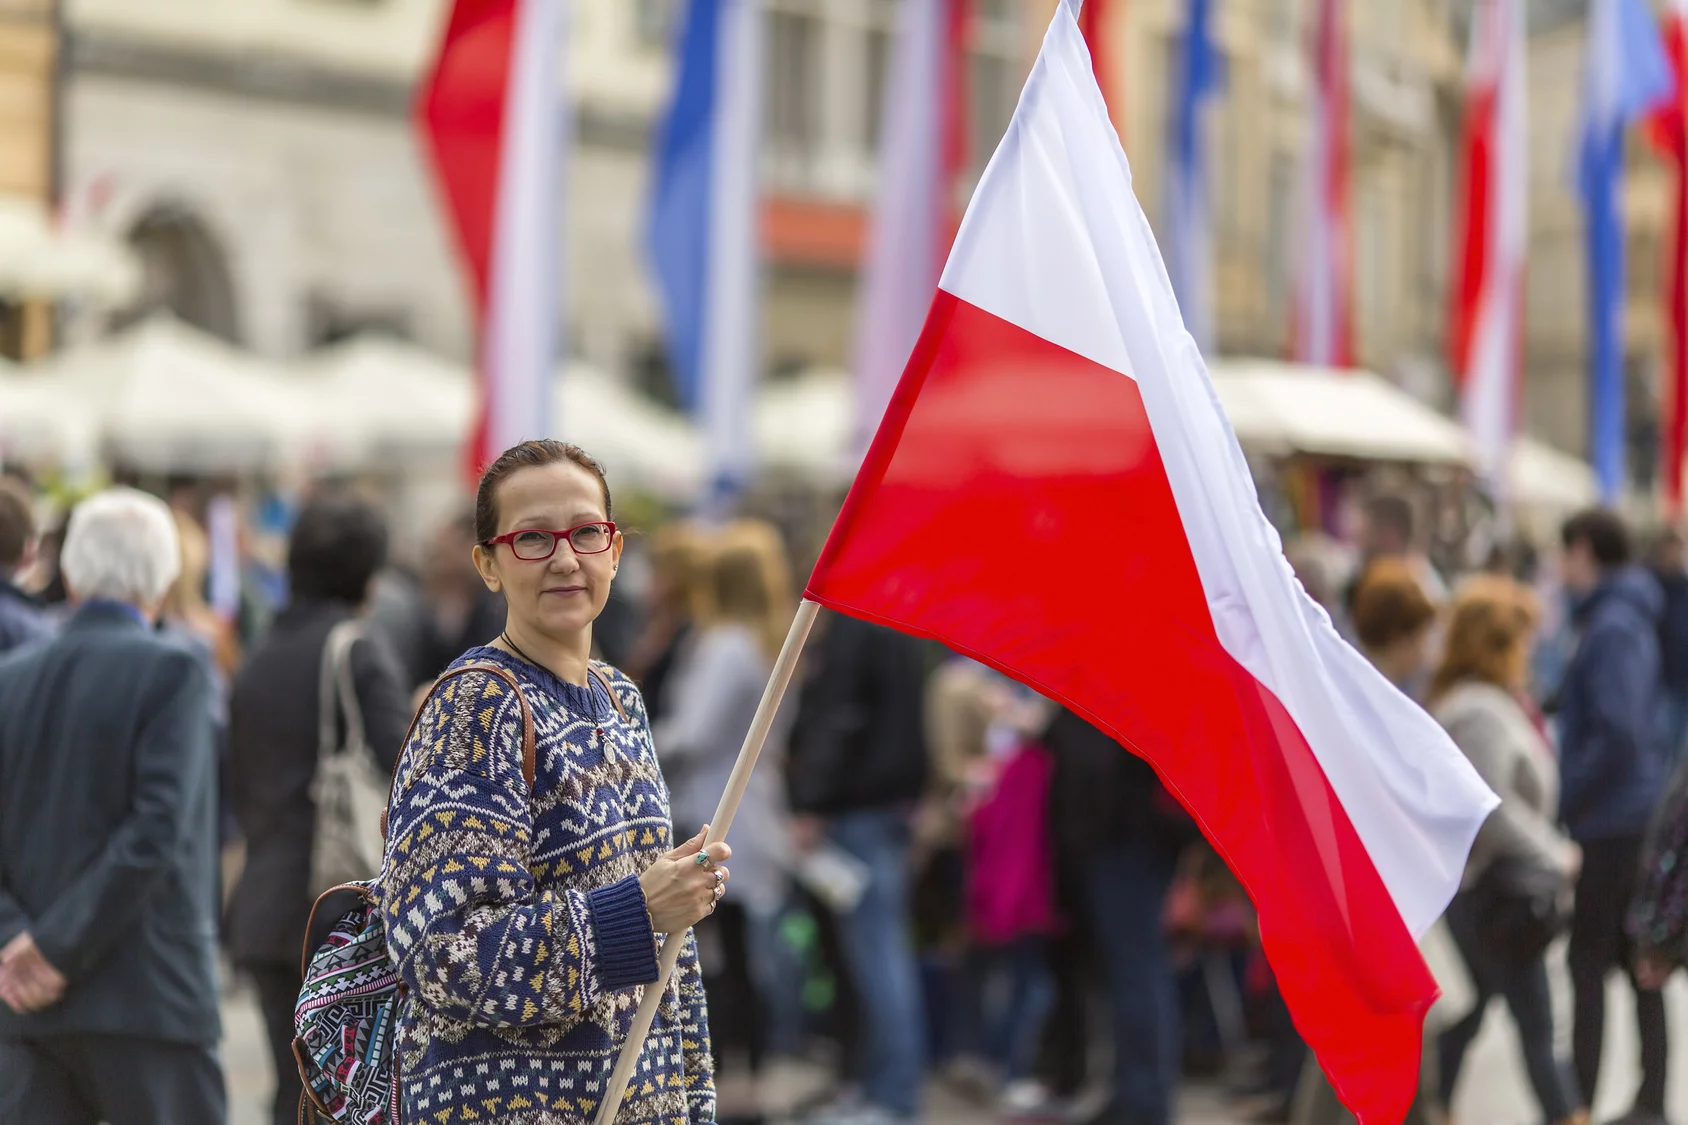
<point x="1119" y="833"/>
<point x="1613" y="768"/>
<point x="108" y="865"/>
<point x="1389" y="531"/>
<point x="857" y="769"/>
<point x="521" y="983"/>
<point x="1476" y="694"/>
<point x="717" y="683"/>
<point x="461" y="612"/>
<point x="338" y="545"/>
<point x="679" y="596"/>
<point x="21" y="617"/>
<point x="1669" y="564"/>
<point x="1393" y="616"/>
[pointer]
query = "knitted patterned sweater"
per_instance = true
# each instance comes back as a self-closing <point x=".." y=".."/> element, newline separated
<point x="517" y="919"/>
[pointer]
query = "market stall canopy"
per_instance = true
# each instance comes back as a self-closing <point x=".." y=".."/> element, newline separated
<point x="40" y="259"/>
<point x="1547" y="480"/>
<point x="635" y="438"/>
<point x="806" y="425"/>
<point x="1281" y="408"/>
<point x="377" y="397"/>
<point x="164" y="396"/>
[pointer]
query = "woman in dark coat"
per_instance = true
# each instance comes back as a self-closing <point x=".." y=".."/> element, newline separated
<point x="338" y="545"/>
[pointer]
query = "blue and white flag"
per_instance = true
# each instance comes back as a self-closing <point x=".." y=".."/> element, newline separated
<point x="1189" y="209"/>
<point x="1625" y="73"/>
<point x="702" y="226"/>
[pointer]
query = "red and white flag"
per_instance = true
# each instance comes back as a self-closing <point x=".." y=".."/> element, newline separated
<point x="1055" y="491"/>
<point x="494" y="117"/>
<point x="1323" y="330"/>
<point x="1487" y="316"/>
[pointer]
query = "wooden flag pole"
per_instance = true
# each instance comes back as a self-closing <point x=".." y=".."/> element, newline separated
<point x="778" y="681"/>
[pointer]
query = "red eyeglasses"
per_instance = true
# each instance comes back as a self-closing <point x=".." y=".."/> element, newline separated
<point x="534" y="545"/>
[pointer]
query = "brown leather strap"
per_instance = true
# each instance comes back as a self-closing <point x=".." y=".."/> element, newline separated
<point x="615" y="700"/>
<point x="530" y="759"/>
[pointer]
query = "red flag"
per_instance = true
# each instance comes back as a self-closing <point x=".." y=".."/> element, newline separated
<point x="1054" y="491"/>
<point x="491" y="118"/>
<point x="1668" y="128"/>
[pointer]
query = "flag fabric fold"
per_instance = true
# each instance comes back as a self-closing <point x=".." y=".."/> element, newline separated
<point x="494" y="119"/>
<point x="1625" y="74"/>
<point x="1055" y="491"/>
<point x="1487" y="315"/>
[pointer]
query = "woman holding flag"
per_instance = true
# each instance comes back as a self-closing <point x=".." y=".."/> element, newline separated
<point x="524" y="885"/>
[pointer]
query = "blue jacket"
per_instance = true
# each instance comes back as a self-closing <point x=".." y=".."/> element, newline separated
<point x="21" y="618"/>
<point x="1612" y="764"/>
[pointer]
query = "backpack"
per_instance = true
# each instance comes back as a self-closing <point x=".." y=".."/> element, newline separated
<point x="344" y="1021"/>
<point x="349" y="790"/>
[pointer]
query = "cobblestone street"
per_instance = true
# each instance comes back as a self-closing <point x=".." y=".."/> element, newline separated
<point x="1493" y="1092"/>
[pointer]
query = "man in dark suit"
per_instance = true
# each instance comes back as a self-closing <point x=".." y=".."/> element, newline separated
<point x="108" y="847"/>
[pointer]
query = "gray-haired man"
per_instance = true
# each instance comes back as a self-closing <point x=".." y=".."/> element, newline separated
<point x="108" y="846"/>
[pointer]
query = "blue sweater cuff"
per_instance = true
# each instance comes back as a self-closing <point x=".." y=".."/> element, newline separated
<point x="626" y="945"/>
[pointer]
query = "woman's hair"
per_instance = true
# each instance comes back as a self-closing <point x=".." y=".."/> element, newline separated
<point x="1488" y="635"/>
<point x="1390" y="604"/>
<point x="680" y="557"/>
<point x="338" y="544"/>
<point x="749" y="582"/>
<point x="121" y="544"/>
<point x="529" y="455"/>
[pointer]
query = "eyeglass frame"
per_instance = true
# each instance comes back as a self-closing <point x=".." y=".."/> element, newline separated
<point x="557" y="537"/>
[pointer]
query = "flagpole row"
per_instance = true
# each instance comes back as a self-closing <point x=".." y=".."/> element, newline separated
<point x="737" y="782"/>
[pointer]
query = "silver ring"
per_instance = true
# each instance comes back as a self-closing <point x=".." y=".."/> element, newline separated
<point x="720" y="890"/>
<point x="720" y="876"/>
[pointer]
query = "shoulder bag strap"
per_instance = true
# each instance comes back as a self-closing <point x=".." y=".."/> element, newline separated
<point x="347" y="690"/>
<point x="335" y="653"/>
<point x="615" y="700"/>
<point x="529" y="756"/>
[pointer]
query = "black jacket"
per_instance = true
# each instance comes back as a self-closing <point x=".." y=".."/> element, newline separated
<point x="1102" y="795"/>
<point x="108" y="831"/>
<point x="1673" y="631"/>
<point x="859" y="739"/>
<point x="272" y="760"/>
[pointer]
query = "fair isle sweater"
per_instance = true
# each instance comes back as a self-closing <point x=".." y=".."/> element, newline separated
<point x="517" y="920"/>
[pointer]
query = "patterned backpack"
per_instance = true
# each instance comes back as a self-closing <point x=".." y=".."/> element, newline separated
<point x="343" y="1023"/>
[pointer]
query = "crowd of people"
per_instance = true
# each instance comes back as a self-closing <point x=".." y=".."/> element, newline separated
<point x="935" y="874"/>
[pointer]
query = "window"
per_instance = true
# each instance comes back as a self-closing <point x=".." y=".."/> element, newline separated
<point x="793" y="52"/>
<point x="1281" y="227"/>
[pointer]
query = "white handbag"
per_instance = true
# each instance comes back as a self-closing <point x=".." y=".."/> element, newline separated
<point x="350" y="788"/>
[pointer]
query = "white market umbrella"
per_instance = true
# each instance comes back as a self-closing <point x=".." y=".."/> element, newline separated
<point x="636" y="439"/>
<point x="39" y="259"/>
<point x="806" y="425"/>
<point x="1280" y="408"/>
<point x="165" y="396"/>
<point x="375" y="397"/>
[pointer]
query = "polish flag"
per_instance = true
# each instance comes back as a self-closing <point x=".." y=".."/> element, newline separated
<point x="493" y="117"/>
<point x="1055" y="491"/>
<point x="1668" y="128"/>
<point x="1487" y="320"/>
<point x="1324" y="314"/>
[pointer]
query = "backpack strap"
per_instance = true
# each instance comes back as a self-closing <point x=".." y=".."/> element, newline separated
<point x="615" y="700"/>
<point x="529" y="755"/>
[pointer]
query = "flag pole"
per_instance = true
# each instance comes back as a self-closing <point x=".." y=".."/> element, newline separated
<point x="778" y="681"/>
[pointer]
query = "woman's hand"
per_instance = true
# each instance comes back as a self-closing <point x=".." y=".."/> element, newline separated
<point x="679" y="891"/>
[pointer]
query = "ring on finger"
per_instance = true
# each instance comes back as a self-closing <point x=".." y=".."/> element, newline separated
<point x="703" y="860"/>
<point x="720" y="876"/>
<point x="720" y="890"/>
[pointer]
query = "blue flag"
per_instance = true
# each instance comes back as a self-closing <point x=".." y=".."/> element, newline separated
<point x="1626" y="72"/>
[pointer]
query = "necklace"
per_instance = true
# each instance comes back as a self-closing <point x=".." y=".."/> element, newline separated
<point x="517" y="649"/>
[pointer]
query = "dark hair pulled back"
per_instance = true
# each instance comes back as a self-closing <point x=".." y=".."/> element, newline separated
<point x="529" y="455"/>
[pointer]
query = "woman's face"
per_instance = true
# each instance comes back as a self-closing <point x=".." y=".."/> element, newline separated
<point x="562" y="595"/>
